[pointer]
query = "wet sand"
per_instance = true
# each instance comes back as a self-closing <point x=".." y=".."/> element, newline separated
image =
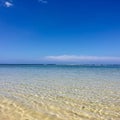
<point x="64" y="109"/>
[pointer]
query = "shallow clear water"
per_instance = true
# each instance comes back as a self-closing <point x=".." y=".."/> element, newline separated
<point x="59" y="92"/>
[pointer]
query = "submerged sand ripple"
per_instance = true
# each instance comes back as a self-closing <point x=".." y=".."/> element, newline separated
<point x="65" y="109"/>
<point x="59" y="93"/>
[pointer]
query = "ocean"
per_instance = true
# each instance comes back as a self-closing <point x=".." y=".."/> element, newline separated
<point x="59" y="92"/>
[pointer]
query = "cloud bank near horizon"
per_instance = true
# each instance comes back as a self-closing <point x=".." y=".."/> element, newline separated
<point x="82" y="59"/>
<point x="64" y="59"/>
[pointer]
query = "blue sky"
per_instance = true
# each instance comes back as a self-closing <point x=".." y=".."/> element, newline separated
<point x="59" y="31"/>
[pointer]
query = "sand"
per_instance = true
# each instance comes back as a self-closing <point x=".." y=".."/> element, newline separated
<point x="64" y="109"/>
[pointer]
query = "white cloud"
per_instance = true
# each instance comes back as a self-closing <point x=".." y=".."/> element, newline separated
<point x="75" y="58"/>
<point x="43" y="1"/>
<point x="8" y="4"/>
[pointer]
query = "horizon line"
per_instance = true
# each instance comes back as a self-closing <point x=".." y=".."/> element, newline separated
<point x="56" y="64"/>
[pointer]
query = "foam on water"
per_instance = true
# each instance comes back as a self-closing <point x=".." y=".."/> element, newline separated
<point x="54" y="92"/>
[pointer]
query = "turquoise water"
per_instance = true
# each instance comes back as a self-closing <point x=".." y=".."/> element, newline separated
<point x="62" y="86"/>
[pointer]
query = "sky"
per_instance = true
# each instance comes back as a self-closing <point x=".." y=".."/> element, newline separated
<point x="60" y="31"/>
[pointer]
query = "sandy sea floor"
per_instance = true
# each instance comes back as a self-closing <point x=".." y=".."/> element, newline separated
<point x="59" y="93"/>
<point x="64" y="109"/>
